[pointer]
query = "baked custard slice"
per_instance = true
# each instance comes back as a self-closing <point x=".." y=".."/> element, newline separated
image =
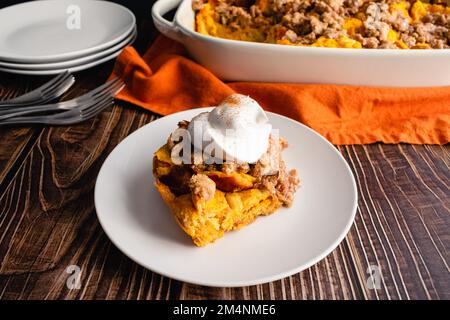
<point x="243" y="177"/>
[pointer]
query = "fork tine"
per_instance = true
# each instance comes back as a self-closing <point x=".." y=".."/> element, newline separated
<point x="74" y="112"/>
<point x="58" y="90"/>
<point x="107" y="87"/>
<point x="56" y="81"/>
<point x="76" y="109"/>
<point x="110" y="91"/>
<point x="107" y="96"/>
<point x="115" y="89"/>
<point x="96" y="109"/>
<point x="71" y="116"/>
<point x="77" y="116"/>
<point x="99" y="90"/>
<point x="35" y="95"/>
<point x="66" y="77"/>
<point x="89" y="105"/>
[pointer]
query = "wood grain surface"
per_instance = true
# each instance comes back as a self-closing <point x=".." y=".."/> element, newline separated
<point x="48" y="220"/>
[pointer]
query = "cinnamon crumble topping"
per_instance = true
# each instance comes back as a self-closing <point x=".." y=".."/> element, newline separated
<point x="269" y="173"/>
<point x="399" y="24"/>
<point x="202" y="187"/>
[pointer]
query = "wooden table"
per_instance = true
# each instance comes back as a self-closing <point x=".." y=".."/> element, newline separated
<point x="48" y="220"/>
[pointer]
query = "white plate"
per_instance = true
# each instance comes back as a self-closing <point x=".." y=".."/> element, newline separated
<point x="37" y="32"/>
<point x="76" y="68"/>
<point x="137" y="221"/>
<point x="74" y="62"/>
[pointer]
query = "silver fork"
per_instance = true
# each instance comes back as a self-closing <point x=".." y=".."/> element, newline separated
<point x="45" y="93"/>
<point x="60" y="106"/>
<point x="86" y="109"/>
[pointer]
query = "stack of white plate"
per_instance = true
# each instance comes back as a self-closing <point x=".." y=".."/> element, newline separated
<point x="50" y="36"/>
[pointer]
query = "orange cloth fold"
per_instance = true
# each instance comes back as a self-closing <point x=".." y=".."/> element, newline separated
<point x="165" y="81"/>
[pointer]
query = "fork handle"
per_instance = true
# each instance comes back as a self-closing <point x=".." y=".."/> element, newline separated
<point x="8" y="104"/>
<point x="31" y="110"/>
<point x="45" y="120"/>
<point x="23" y="100"/>
<point x="13" y="104"/>
<point x="18" y="122"/>
<point x="29" y="122"/>
<point x="61" y="106"/>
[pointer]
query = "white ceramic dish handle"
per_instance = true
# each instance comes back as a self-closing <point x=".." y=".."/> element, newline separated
<point x="167" y="28"/>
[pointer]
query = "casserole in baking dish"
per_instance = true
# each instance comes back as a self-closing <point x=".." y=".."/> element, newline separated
<point x="253" y="61"/>
<point x="373" y="24"/>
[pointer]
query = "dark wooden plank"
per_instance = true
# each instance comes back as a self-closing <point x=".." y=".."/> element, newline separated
<point x="15" y="142"/>
<point x="47" y="204"/>
<point x="53" y="226"/>
<point x="403" y="222"/>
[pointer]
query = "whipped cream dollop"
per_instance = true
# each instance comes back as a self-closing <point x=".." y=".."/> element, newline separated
<point x="236" y="130"/>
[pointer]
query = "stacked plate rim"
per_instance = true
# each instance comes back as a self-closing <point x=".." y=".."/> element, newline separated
<point x="51" y="36"/>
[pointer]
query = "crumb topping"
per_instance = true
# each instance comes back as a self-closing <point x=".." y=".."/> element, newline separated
<point x="202" y="187"/>
<point x="268" y="173"/>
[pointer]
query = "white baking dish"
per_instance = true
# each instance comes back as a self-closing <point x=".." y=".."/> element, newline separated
<point x="248" y="61"/>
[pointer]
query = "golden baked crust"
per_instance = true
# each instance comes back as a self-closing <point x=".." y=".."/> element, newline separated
<point x="203" y="221"/>
<point x="208" y="200"/>
<point x="207" y="222"/>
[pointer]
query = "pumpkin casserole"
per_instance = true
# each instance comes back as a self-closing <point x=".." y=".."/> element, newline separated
<point x="208" y="200"/>
<point x="389" y="24"/>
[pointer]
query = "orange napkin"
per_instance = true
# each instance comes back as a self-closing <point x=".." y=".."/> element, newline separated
<point x="165" y="81"/>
